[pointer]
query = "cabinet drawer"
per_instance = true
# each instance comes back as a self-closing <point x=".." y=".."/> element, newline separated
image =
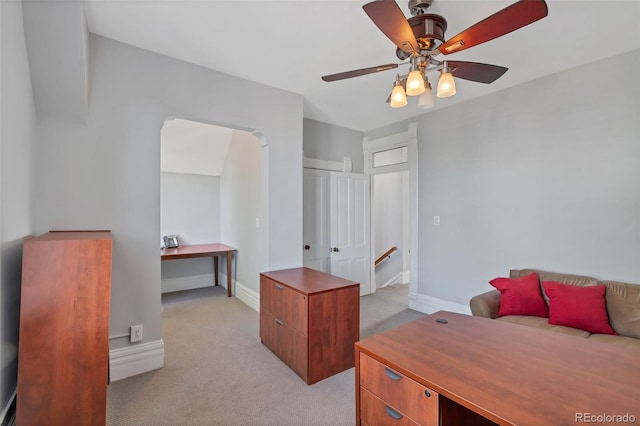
<point x="374" y="411"/>
<point x="402" y="393"/>
<point x="289" y="306"/>
<point x="285" y="342"/>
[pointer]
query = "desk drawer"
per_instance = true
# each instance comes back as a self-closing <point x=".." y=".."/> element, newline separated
<point x="402" y="393"/>
<point x="375" y="411"/>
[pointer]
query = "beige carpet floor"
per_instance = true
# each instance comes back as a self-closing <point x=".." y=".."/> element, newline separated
<point x="217" y="372"/>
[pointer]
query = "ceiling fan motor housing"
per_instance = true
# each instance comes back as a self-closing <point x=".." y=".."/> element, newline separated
<point x="429" y="32"/>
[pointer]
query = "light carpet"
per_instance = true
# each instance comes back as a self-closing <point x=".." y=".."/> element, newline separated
<point x="217" y="372"/>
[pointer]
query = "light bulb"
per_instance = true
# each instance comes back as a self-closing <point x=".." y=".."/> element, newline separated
<point x="446" y="85"/>
<point x="398" y="96"/>
<point x="415" y="83"/>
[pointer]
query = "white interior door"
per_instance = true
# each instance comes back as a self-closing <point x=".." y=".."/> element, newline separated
<point x="349" y="205"/>
<point x="316" y="254"/>
<point x="336" y="222"/>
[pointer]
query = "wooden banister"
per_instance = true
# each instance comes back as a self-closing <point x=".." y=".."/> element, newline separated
<point x="385" y="255"/>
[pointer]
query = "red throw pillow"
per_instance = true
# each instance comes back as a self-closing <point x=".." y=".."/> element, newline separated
<point x="520" y="296"/>
<point x="578" y="307"/>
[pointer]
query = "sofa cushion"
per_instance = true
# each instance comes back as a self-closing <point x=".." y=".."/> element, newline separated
<point x="628" y="342"/>
<point x="579" y="307"/>
<point x="579" y="280"/>
<point x="543" y="324"/>
<point x="623" y="306"/>
<point x="520" y="296"/>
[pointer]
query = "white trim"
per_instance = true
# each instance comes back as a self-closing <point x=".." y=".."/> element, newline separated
<point x="371" y="146"/>
<point x="3" y="417"/>
<point x="399" y="278"/>
<point x="248" y="296"/>
<point x="429" y="305"/>
<point x="346" y="165"/>
<point x="135" y="359"/>
<point x="168" y="285"/>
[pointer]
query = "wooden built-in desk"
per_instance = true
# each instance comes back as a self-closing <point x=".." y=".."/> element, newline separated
<point x="203" y="250"/>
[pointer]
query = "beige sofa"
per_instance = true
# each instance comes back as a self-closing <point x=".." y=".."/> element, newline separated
<point x="622" y="303"/>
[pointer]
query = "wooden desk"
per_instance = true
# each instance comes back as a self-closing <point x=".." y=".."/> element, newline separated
<point x="203" y="250"/>
<point x="483" y="371"/>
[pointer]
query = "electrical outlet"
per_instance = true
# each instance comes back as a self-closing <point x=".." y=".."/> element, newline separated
<point x="136" y="333"/>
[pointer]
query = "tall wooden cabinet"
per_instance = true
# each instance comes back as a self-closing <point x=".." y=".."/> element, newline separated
<point x="310" y="320"/>
<point x="63" y="351"/>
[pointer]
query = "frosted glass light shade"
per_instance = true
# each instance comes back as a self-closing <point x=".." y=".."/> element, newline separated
<point x="415" y="83"/>
<point x="425" y="100"/>
<point x="398" y="97"/>
<point x="446" y="85"/>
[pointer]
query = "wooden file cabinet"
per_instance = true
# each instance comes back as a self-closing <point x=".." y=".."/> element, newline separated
<point x="310" y="320"/>
<point x="63" y="353"/>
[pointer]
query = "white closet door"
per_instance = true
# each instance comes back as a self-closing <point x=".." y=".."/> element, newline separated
<point x="315" y="212"/>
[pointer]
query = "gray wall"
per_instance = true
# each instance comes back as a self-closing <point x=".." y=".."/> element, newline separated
<point x="107" y="174"/>
<point x="17" y="141"/>
<point x="240" y="197"/>
<point x="322" y="141"/>
<point x="544" y="174"/>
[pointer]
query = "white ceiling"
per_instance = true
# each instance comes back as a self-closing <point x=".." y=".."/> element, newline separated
<point x="291" y="44"/>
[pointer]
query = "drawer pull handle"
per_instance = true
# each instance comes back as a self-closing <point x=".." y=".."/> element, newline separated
<point x="279" y="287"/>
<point x="393" y="413"/>
<point x="392" y="374"/>
<point x="279" y="322"/>
<point x="427" y="393"/>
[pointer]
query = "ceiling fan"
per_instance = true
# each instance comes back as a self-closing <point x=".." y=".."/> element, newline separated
<point x="420" y="39"/>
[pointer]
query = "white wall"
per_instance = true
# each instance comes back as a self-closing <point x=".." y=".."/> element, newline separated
<point x="189" y="208"/>
<point x="107" y="175"/>
<point x="389" y="215"/>
<point x="17" y="140"/>
<point x="240" y="198"/>
<point x="544" y="175"/>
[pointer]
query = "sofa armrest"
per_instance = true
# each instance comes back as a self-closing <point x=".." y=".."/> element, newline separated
<point x="486" y="304"/>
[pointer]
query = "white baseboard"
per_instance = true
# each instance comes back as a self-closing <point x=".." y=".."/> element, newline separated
<point x="8" y="415"/>
<point x="400" y="278"/>
<point x="167" y="285"/>
<point x="248" y="296"/>
<point x="135" y="359"/>
<point x="429" y="305"/>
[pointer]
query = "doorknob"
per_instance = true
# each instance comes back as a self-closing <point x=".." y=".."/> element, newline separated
<point x="307" y="246"/>
<point x="335" y="249"/>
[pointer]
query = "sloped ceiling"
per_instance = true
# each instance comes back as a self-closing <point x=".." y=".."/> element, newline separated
<point x="291" y="44"/>
<point x="194" y="148"/>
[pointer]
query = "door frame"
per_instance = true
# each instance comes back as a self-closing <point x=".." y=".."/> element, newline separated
<point x="409" y="139"/>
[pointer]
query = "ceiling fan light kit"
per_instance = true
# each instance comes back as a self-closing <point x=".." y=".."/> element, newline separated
<point x="398" y="95"/>
<point x="420" y="39"/>
<point x="446" y="84"/>
<point x="426" y="101"/>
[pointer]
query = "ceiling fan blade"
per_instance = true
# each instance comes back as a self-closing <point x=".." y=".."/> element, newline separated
<point x="476" y="71"/>
<point x="386" y="14"/>
<point x="358" y="73"/>
<point x="509" y="19"/>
